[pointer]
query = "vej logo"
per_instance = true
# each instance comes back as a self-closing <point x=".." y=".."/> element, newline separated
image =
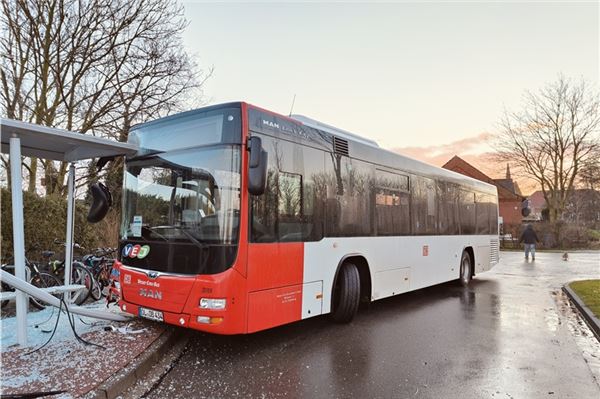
<point x="136" y="251"/>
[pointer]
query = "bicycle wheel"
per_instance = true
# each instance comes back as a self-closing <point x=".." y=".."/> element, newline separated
<point x="5" y="288"/>
<point x="103" y="276"/>
<point x="42" y="280"/>
<point x="96" y="292"/>
<point x="82" y="276"/>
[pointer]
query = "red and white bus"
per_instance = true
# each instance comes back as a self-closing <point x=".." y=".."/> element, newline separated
<point x="237" y="219"/>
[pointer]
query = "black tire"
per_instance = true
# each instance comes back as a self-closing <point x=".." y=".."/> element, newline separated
<point x="42" y="280"/>
<point x="346" y="294"/>
<point x="466" y="269"/>
<point x="81" y="275"/>
<point x="96" y="291"/>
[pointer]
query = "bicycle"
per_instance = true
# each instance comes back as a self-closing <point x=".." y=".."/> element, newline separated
<point x="100" y="264"/>
<point x="80" y="275"/>
<point x="35" y="277"/>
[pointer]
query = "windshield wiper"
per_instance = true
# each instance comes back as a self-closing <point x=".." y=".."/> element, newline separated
<point x="193" y="239"/>
<point x="151" y="230"/>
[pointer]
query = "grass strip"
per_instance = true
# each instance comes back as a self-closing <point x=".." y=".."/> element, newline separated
<point x="589" y="292"/>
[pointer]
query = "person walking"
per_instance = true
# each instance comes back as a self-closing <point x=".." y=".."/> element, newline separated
<point x="530" y="238"/>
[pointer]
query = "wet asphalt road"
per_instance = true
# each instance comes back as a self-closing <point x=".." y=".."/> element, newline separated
<point x="511" y="334"/>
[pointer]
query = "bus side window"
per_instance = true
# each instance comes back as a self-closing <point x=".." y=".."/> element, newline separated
<point x="467" y="212"/>
<point x="447" y="208"/>
<point x="263" y="208"/>
<point x="431" y="206"/>
<point x="263" y="213"/>
<point x="392" y="204"/>
<point x="424" y="206"/>
<point x="493" y="214"/>
<point x="349" y="200"/>
<point x="483" y="206"/>
<point x="291" y="208"/>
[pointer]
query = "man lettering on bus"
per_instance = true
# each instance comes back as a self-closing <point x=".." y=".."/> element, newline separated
<point x="530" y="238"/>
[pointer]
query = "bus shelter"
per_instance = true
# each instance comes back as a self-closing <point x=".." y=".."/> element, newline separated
<point x="26" y="139"/>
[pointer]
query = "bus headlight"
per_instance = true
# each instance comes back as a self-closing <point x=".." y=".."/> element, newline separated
<point x="212" y="303"/>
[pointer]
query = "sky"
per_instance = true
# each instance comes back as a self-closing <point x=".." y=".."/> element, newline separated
<point x="422" y="78"/>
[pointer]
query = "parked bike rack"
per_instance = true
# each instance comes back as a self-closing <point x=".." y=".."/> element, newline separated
<point x="26" y="139"/>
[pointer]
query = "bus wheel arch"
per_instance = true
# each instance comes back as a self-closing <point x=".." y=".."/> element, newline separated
<point x="351" y="284"/>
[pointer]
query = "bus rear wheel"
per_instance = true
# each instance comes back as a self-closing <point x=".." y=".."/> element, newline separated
<point x="466" y="269"/>
<point x="346" y="294"/>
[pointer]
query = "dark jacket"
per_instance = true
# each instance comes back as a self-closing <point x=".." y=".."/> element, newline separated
<point x="529" y="236"/>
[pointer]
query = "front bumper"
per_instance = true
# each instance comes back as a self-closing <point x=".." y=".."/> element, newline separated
<point x="219" y="322"/>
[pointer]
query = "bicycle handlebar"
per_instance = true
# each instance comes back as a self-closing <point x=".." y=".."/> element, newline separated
<point x="75" y="245"/>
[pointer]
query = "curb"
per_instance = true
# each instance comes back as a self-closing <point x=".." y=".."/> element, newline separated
<point x="128" y="375"/>
<point x="591" y="320"/>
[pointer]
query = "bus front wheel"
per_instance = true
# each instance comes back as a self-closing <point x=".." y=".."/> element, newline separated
<point x="346" y="294"/>
<point x="466" y="269"/>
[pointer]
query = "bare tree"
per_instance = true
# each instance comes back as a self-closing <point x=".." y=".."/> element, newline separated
<point x="93" y="66"/>
<point x="552" y="138"/>
<point x="589" y="176"/>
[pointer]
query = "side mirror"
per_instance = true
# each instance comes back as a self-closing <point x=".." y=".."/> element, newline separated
<point x="100" y="163"/>
<point x="257" y="167"/>
<point x="101" y="202"/>
<point x="255" y="147"/>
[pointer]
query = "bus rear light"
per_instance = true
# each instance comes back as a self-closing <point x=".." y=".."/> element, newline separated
<point x="209" y="320"/>
<point x="214" y="304"/>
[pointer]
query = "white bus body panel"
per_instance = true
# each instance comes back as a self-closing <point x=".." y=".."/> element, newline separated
<point x="312" y="299"/>
<point x="396" y="264"/>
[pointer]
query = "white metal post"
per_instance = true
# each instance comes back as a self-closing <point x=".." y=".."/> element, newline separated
<point x="18" y="236"/>
<point x="70" y="221"/>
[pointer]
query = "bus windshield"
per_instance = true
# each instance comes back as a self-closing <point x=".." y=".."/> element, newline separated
<point x="190" y="195"/>
<point x="192" y="128"/>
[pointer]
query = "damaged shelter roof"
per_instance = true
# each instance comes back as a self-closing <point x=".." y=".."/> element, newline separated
<point x="57" y="144"/>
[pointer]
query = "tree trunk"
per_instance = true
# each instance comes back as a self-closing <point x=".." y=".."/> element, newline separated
<point x="50" y="178"/>
<point x="31" y="185"/>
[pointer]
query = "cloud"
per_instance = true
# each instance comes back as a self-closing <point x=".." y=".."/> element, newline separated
<point x="467" y="145"/>
<point x="476" y="150"/>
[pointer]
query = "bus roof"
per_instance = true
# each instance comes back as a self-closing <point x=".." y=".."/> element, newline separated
<point x="359" y="147"/>
<point x="333" y="130"/>
<point x="365" y="149"/>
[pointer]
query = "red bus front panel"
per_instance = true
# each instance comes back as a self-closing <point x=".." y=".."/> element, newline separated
<point x="274" y="307"/>
<point x="229" y="285"/>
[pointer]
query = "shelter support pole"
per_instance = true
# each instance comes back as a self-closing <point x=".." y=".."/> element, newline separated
<point x="52" y="300"/>
<point x="70" y="223"/>
<point x="18" y="236"/>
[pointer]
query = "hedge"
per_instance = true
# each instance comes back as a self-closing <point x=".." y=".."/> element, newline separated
<point x="45" y="221"/>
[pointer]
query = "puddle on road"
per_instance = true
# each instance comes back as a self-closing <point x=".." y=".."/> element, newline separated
<point x="584" y="337"/>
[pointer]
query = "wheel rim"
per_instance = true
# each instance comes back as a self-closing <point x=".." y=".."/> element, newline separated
<point x="79" y="277"/>
<point x="42" y="280"/>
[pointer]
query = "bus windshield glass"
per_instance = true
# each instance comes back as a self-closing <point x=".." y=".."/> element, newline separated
<point x="190" y="195"/>
<point x="192" y="128"/>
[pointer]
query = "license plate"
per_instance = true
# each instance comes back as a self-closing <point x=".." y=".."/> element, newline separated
<point x="151" y="314"/>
